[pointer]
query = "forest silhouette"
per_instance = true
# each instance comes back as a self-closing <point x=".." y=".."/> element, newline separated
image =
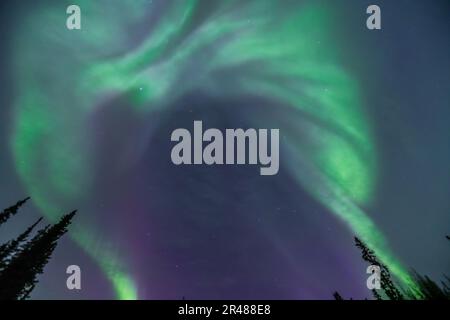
<point x="426" y="288"/>
<point x="22" y="259"/>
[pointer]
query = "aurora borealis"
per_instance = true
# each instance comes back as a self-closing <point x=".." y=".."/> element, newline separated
<point x="89" y="128"/>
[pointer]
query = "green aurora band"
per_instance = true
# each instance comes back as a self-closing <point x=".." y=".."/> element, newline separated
<point x="287" y="53"/>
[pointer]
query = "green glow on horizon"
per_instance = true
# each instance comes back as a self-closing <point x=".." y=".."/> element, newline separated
<point x="286" y="55"/>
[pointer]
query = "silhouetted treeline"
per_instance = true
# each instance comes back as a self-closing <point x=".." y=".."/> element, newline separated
<point x="427" y="288"/>
<point x="23" y="259"/>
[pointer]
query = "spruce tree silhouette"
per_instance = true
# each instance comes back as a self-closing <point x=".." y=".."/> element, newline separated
<point x="431" y="290"/>
<point x="22" y="260"/>
<point x="8" y="249"/>
<point x="8" y="212"/>
<point x="387" y="285"/>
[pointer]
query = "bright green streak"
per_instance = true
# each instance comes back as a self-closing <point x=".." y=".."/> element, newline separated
<point x="284" y="52"/>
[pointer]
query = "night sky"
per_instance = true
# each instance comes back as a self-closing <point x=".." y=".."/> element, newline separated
<point x="86" y="118"/>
